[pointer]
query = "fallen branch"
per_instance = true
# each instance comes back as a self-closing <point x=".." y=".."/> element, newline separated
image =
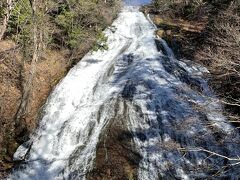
<point x="231" y="104"/>
<point x="212" y="153"/>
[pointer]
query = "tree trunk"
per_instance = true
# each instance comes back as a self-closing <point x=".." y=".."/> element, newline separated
<point x="19" y="118"/>
<point x="6" y="18"/>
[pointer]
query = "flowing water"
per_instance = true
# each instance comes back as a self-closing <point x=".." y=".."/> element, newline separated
<point x="130" y="113"/>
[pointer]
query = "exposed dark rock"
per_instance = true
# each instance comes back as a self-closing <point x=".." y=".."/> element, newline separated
<point x="116" y="157"/>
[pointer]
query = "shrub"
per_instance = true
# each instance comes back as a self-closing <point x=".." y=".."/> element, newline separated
<point x="101" y="42"/>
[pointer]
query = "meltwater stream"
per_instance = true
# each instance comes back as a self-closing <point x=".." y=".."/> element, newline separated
<point x="128" y="113"/>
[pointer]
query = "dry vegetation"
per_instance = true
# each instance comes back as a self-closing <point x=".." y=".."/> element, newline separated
<point x="221" y="54"/>
<point x="49" y="71"/>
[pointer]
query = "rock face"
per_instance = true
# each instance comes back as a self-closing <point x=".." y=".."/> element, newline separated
<point x="116" y="156"/>
<point x="183" y="36"/>
<point x="131" y="112"/>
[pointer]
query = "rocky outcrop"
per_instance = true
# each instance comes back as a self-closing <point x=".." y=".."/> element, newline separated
<point x="116" y="157"/>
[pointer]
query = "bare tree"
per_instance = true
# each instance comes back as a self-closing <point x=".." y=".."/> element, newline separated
<point x="29" y="79"/>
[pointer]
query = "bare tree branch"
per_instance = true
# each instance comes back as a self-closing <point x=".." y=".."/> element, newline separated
<point x="212" y="154"/>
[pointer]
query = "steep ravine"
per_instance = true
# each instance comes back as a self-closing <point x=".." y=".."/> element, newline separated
<point x="128" y="113"/>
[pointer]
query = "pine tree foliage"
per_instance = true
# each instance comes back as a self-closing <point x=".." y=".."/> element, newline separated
<point x="62" y="23"/>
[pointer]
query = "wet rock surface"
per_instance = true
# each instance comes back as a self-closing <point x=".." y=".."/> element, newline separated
<point x="116" y="156"/>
